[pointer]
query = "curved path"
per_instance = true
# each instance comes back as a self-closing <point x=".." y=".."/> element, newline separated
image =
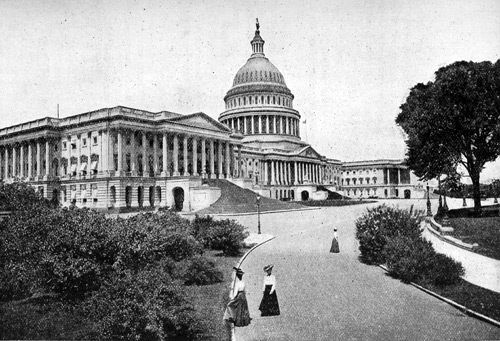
<point x="327" y="296"/>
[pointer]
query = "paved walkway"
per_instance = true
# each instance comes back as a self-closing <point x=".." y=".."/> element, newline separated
<point x="327" y="296"/>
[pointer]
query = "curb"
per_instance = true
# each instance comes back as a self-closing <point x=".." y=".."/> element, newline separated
<point x="453" y="303"/>
<point x="255" y="213"/>
<point x="233" y="338"/>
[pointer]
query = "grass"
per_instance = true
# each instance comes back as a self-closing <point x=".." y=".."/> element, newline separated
<point x="484" y="231"/>
<point x="210" y="300"/>
<point x="473" y="297"/>
<point x="47" y="317"/>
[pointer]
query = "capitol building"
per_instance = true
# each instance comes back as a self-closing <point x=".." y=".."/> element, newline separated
<point x="121" y="157"/>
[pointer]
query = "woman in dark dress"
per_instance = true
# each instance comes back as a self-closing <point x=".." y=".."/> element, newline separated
<point x="335" y="242"/>
<point x="269" y="305"/>
<point x="237" y="309"/>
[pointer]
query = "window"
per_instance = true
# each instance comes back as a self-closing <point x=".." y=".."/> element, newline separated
<point x="64" y="145"/>
<point x="73" y="145"/>
<point x="84" y="142"/>
<point x="95" y="139"/>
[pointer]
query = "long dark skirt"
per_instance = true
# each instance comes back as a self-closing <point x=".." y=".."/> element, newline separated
<point x="237" y="311"/>
<point x="269" y="305"/>
<point x="335" y="246"/>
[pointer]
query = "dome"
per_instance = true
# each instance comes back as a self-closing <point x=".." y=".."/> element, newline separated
<point x="258" y="69"/>
<point x="258" y="74"/>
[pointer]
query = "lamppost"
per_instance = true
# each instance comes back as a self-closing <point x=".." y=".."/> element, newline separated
<point x="429" y="211"/>
<point x="464" y="204"/>
<point x="258" y="213"/>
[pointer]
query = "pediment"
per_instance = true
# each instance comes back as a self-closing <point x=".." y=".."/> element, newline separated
<point x="309" y="152"/>
<point x="200" y="120"/>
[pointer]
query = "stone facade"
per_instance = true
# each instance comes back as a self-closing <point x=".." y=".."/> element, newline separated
<point x="121" y="157"/>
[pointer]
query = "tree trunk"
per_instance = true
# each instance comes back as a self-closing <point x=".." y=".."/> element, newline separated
<point x="477" y="191"/>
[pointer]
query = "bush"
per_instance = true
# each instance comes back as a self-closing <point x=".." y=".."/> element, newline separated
<point x="443" y="270"/>
<point x="201" y="228"/>
<point x="416" y="261"/>
<point x="227" y="236"/>
<point x="407" y="258"/>
<point x="146" y="305"/>
<point x="201" y="271"/>
<point x="381" y="223"/>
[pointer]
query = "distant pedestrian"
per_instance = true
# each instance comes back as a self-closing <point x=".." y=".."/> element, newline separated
<point x="269" y="305"/>
<point x="335" y="242"/>
<point x="237" y="309"/>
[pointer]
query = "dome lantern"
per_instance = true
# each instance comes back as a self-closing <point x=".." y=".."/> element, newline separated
<point x="257" y="42"/>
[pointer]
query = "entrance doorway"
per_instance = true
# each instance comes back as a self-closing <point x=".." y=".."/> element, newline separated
<point x="304" y="195"/>
<point x="178" y="198"/>
<point x="407" y="194"/>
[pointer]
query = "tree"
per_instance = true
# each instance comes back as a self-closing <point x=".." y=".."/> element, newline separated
<point x="454" y="120"/>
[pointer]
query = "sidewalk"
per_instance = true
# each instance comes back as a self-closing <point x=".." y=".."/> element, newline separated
<point x="479" y="270"/>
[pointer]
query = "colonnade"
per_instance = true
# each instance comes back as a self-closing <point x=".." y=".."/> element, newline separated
<point x="28" y="159"/>
<point x="121" y="153"/>
<point x="265" y="124"/>
<point x="284" y="173"/>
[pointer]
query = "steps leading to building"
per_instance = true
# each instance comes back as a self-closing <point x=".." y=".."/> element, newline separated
<point x="235" y="199"/>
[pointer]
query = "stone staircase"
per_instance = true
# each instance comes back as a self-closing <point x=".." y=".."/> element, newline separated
<point x="235" y="199"/>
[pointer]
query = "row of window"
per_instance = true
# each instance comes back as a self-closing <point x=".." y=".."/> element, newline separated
<point x="258" y="100"/>
<point x="267" y="124"/>
<point x="359" y="181"/>
<point x="258" y="76"/>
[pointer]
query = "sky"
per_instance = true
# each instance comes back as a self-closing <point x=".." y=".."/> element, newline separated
<point x="349" y="63"/>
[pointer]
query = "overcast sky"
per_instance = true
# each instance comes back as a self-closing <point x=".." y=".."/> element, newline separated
<point x="350" y="64"/>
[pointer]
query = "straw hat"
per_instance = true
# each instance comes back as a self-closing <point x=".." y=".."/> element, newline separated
<point x="238" y="270"/>
<point x="268" y="267"/>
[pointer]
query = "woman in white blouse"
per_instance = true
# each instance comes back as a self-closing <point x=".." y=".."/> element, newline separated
<point x="237" y="309"/>
<point x="269" y="305"/>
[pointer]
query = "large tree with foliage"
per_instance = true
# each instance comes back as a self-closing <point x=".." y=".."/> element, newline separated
<point x="454" y="120"/>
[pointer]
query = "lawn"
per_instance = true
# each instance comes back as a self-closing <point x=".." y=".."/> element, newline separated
<point x="484" y="231"/>
<point x="47" y="317"/>
<point x="473" y="297"/>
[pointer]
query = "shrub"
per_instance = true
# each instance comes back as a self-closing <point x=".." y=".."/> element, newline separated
<point x="179" y="246"/>
<point x="200" y="229"/>
<point x="227" y="236"/>
<point x="407" y="258"/>
<point x="201" y="271"/>
<point x="379" y="224"/>
<point x="415" y="260"/>
<point x="443" y="270"/>
<point x="146" y="305"/>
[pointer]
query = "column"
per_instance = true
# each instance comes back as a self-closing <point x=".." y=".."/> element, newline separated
<point x="133" y="155"/>
<point x="219" y="159"/>
<point x="295" y="177"/>
<point x="260" y="125"/>
<point x="212" y="161"/>
<point x="264" y="169"/>
<point x="252" y="125"/>
<point x="6" y="170"/>
<point x="185" y="155"/>
<point x="120" y="153"/>
<point x="30" y="160"/>
<point x="175" y="156"/>
<point x="21" y="161"/>
<point x="289" y="175"/>
<point x="203" y="158"/>
<point x="273" y="177"/>
<point x="14" y="170"/>
<point x="155" y="157"/>
<point x="275" y="129"/>
<point x="228" y="162"/>
<point x="47" y="158"/>
<point x="399" y="176"/>
<point x="195" y="156"/>
<point x="103" y="153"/>
<point x="239" y="161"/>
<point x="164" y="159"/>
<point x="145" y="159"/>
<point x="1" y="161"/>
<point x="267" y="124"/>
<point x="38" y="159"/>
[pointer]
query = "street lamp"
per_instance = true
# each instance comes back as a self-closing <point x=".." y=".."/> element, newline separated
<point x="258" y="213"/>
<point x="429" y="211"/>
